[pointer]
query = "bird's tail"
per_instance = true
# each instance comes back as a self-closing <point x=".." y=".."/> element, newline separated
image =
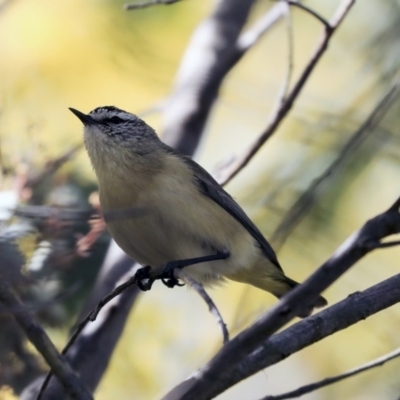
<point x="274" y="281"/>
<point x="318" y="302"/>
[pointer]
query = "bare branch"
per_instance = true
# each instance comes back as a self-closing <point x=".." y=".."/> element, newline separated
<point x="355" y="308"/>
<point x="155" y="273"/>
<point x="296" y="301"/>
<point x="329" y="381"/>
<point x="209" y="57"/>
<point x="136" y="6"/>
<point x="90" y="317"/>
<point x="211" y="305"/>
<point x="37" y="336"/>
<point x="307" y="200"/>
<point x="253" y="35"/>
<point x="386" y="245"/>
<point x="310" y="11"/>
<point x="240" y="162"/>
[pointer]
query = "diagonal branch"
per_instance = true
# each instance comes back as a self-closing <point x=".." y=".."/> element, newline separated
<point x="329" y="381"/>
<point x="215" y="49"/>
<point x="253" y="35"/>
<point x="37" y="336"/>
<point x="232" y="354"/>
<point x="355" y="308"/>
<point x="154" y="274"/>
<point x="307" y="200"/>
<point x="303" y="7"/>
<point x="241" y="161"/>
<point x="198" y="287"/>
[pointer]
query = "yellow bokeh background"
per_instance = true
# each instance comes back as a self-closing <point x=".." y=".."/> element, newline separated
<point x="67" y="53"/>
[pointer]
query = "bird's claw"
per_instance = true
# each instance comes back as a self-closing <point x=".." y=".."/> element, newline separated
<point x="168" y="277"/>
<point x="171" y="282"/>
<point x="143" y="279"/>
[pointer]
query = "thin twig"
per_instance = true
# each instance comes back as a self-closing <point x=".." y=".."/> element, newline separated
<point x="241" y="161"/>
<point x="329" y="381"/>
<point x="90" y="317"/>
<point x="38" y="337"/>
<point x="149" y="4"/>
<point x="310" y="11"/>
<point x="155" y="274"/>
<point x="252" y="36"/>
<point x="211" y="305"/>
<point x="385" y="245"/>
<point x="213" y="50"/>
<point x="307" y="200"/>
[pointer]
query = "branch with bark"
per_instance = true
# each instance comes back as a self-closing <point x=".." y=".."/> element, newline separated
<point x="67" y="377"/>
<point x="329" y="381"/>
<point x="213" y="378"/>
<point x="236" y="165"/>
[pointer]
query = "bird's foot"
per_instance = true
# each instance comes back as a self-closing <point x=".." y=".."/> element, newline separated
<point x="168" y="275"/>
<point x="143" y="279"/>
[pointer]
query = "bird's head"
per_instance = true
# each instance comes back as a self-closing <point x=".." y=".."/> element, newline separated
<point x="114" y="136"/>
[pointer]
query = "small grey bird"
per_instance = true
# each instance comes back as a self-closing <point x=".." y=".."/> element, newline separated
<point x="191" y="217"/>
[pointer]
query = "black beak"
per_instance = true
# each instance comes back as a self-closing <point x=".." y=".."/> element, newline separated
<point x="85" y="118"/>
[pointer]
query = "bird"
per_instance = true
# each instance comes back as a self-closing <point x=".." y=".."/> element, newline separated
<point x="190" y="221"/>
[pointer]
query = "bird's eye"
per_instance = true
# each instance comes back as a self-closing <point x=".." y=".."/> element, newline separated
<point x="116" y="120"/>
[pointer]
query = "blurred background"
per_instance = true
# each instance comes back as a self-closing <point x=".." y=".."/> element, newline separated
<point x="68" y="53"/>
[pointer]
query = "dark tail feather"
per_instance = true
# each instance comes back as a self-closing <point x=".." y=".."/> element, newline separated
<point x="318" y="302"/>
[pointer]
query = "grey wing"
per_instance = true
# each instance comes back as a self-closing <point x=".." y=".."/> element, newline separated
<point x="211" y="188"/>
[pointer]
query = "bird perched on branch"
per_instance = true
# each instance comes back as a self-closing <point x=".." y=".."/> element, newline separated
<point x="191" y="222"/>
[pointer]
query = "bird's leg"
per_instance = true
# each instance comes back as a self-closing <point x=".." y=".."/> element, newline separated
<point x="168" y="276"/>
<point x="143" y="274"/>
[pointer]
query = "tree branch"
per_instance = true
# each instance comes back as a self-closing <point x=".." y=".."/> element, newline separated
<point x="252" y="36"/>
<point x="307" y="200"/>
<point x="355" y="308"/>
<point x="37" y="336"/>
<point x="329" y="381"/>
<point x="241" y="161"/>
<point x="212" y="49"/>
<point x="220" y="368"/>
<point x="204" y="295"/>
<point x="310" y="11"/>
<point x="129" y="282"/>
